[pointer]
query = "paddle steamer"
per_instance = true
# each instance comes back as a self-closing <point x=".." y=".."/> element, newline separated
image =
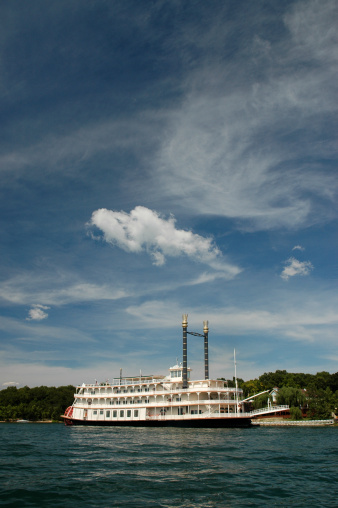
<point x="172" y="400"/>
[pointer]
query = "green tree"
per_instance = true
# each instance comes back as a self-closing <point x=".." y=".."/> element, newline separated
<point x="261" y="401"/>
<point x="296" y="413"/>
<point x="39" y="403"/>
<point x="322" y="403"/>
<point x="293" y="397"/>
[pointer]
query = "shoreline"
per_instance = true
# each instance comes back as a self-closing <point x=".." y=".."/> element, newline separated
<point x="30" y="421"/>
<point x="297" y="423"/>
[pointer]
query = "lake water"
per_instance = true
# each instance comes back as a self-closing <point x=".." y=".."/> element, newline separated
<point x="50" y="465"/>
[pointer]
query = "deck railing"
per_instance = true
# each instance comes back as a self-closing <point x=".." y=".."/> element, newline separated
<point x="200" y="384"/>
<point x="269" y="409"/>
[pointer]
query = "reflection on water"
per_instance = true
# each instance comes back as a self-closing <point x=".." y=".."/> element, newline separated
<point x="44" y="465"/>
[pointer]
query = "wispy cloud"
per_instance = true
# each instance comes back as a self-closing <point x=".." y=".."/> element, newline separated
<point x="294" y="267"/>
<point x="305" y="323"/>
<point x="42" y="333"/>
<point x="252" y="151"/>
<point x="143" y="230"/>
<point x="298" y="247"/>
<point x="10" y="383"/>
<point x="57" y="289"/>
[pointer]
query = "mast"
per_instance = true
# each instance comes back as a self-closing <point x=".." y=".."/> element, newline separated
<point x="185" y="355"/>
<point x="206" y="349"/>
<point x="206" y="353"/>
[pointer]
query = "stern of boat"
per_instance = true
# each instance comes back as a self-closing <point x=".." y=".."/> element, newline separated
<point x="68" y="416"/>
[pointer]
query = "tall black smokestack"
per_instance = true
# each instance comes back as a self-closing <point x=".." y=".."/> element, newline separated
<point x="206" y="352"/>
<point x="185" y="354"/>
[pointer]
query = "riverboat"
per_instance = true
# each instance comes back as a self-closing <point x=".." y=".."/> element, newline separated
<point x="158" y="401"/>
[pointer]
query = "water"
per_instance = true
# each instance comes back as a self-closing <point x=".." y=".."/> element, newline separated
<point x="44" y="465"/>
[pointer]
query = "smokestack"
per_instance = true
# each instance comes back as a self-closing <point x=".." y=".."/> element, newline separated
<point x="206" y="349"/>
<point x="185" y="355"/>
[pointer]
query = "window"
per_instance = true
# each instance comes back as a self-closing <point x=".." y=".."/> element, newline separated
<point x="107" y="414"/>
<point x="135" y="413"/>
<point x="101" y="411"/>
<point x="121" y="413"/>
<point x="178" y="399"/>
<point x="115" y="414"/>
<point x="128" y="413"/>
<point x="95" y="412"/>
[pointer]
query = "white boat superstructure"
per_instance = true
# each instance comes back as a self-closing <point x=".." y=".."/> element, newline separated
<point x="172" y="400"/>
<point x="154" y="399"/>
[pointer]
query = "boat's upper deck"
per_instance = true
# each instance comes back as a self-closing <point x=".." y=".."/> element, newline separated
<point x="172" y="382"/>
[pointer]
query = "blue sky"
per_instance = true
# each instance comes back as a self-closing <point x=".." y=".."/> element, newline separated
<point x="160" y="158"/>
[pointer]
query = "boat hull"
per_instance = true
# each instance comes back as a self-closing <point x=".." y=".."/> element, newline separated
<point x="206" y="423"/>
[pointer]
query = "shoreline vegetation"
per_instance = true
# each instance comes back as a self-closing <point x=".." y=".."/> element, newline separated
<point x="39" y="404"/>
<point x="310" y="397"/>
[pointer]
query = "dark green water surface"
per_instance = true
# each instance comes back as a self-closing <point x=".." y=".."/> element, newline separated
<point x="52" y="465"/>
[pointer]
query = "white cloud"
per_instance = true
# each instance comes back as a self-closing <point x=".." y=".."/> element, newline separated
<point x="144" y="230"/>
<point x="294" y="267"/>
<point x="10" y="383"/>
<point x="298" y="247"/>
<point x="36" y="313"/>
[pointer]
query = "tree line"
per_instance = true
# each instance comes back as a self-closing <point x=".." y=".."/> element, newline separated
<point x="313" y="395"/>
<point x="35" y="404"/>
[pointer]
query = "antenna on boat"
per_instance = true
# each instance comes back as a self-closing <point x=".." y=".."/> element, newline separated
<point x="185" y="359"/>
<point x="236" y="378"/>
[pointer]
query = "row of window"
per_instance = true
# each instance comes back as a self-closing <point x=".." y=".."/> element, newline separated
<point x="116" y="413"/>
<point x="119" y="402"/>
<point x="139" y="390"/>
<point x="178" y="373"/>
